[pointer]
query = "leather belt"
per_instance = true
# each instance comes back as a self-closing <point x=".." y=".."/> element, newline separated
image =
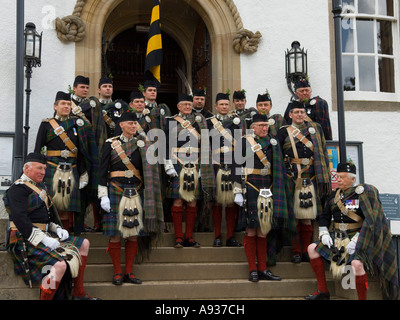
<point x="124" y="174"/>
<point x="348" y="226"/>
<point x="303" y="161"/>
<point x="41" y="226"/>
<point x="61" y="153"/>
<point x="260" y="172"/>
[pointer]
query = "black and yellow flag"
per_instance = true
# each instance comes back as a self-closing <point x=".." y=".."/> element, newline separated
<point x="154" y="46"/>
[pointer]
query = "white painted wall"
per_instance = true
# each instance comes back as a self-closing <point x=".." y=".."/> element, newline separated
<point x="58" y="62"/>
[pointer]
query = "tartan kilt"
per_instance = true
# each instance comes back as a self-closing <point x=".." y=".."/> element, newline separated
<point x="291" y="187"/>
<point x="327" y="253"/>
<point x="249" y="219"/>
<point x="173" y="185"/>
<point x="38" y="257"/>
<point x="75" y="201"/>
<point x="110" y="220"/>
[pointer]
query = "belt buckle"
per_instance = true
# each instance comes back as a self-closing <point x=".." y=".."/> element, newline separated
<point x="343" y="226"/>
<point x="305" y="161"/>
<point x="186" y="124"/>
<point x="64" y="154"/>
<point x="59" y="130"/>
<point x="129" y="174"/>
<point x="256" y="147"/>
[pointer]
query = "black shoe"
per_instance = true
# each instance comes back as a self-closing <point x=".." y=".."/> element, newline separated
<point x="231" y="242"/>
<point x="85" y="297"/>
<point x="253" y="276"/>
<point x="296" y="258"/>
<point x="318" y="295"/>
<point x="178" y="243"/>
<point x="268" y="275"/>
<point x="130" y="278"/>
<point x="117" y="279"/>
<point x="189" y="242"/>
<point x="217" y="242"/>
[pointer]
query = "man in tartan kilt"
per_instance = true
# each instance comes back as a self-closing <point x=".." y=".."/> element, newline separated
<point x="361" y="238"/>
<point x="189" y="167"/>
<point x="224" y="129"/>
<point x="130" y="196"/>
<point x="91" y="111"/>
<point x="308" y="176"/>
<point x="72" y="160"/>
<point x="317" y="108"/>
<point x="260" y="191"/>
<point x="37" y="242"/>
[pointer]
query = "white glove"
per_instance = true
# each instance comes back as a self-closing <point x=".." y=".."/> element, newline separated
<point x="172" y="173"/>
<point x="325" y="237"/>
<point x="239" y="199"/>
<point x="351" y="247"/>
<point x="105" y="204"/>
<point x="62" y="234"/>
<point x="51" y="243"/>
<point x="83" y="180"/>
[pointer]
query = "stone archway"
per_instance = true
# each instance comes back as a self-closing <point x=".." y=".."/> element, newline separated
<point x="216" y="15"/>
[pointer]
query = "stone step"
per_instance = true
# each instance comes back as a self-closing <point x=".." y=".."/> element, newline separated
<point x="197" y="271"/>
<point x="205" y="289"/>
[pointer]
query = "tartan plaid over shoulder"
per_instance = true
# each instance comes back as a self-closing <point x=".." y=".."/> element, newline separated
<point x="153" y="208"/>
<point x="374" y="246"/>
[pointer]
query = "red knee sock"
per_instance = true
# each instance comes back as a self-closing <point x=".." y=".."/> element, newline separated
<point x="79" y="291"/>
<point x="191" y="214"/>
<point x="306" y="232"/>
<point x="230" y="217"/>
<point x="250" y="249"/>
<point x="362" y="286"/>
<point x="114" y="249"/>
<point x="261" y="253"/>
<point x="131" y="250"/>
<point x="176" y="213"/>
<point x="319" y="270"/>
<point x="217" y="217"/>
<point x="46" y="292"/>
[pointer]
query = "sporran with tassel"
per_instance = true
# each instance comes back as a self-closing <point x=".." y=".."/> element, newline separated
<point x="130" y="213"/>
<point x="265" y="210"/>
<point x="188" y="181"/>
<point x="225" y="195"/>
<point x="63" y="184"/>
<point x="305" y="206"/>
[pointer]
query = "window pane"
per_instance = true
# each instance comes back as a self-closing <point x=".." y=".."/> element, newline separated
<point x="386" y="74"/>
<point x="385" y="40"/>
<point x="366" y="6"/>
<point x="349" y="79"/>
<point x="385" y="7"/>
<point x="367" y="79"/>
<point x="347" y="39"/>
<point x="365" y="36"/>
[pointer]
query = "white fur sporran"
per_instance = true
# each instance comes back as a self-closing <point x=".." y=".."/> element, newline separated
<point x="304" y="202"/>
<point x="265" y="209"/>
<point x="72" y="257"/>
<point x="188" y="181"/>
<point x="225" y="195"/>
<point x="337" y="270"/>
<point x="130" y="213"/>
<point x="63" y="185"/>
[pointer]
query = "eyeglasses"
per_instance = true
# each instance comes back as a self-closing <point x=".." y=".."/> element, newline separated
<point x="299" y="112"/>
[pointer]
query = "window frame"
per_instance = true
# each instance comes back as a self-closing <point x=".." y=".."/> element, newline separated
<point x="375" y="95"/>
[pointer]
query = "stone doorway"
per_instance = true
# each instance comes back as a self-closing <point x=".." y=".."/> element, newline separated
<point x="181" y="21"/>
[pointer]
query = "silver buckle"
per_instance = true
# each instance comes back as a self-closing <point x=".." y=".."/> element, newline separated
<point x="59" y="130"/>
<point x="186" y="124"/>
<point x="305" y="161"/>
<point x="129" y="174"/>
<point x="256" y="147"/>
<point x="64" y="154"/>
